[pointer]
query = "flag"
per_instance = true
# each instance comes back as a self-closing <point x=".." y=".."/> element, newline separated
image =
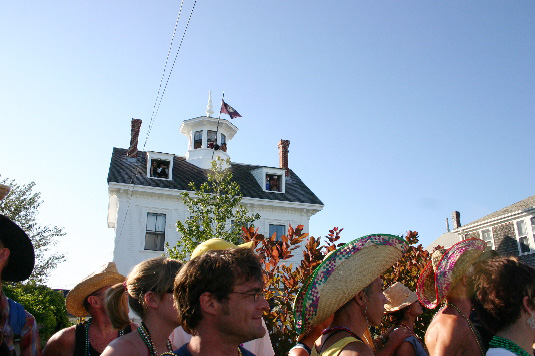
<point x="229" y="110"/>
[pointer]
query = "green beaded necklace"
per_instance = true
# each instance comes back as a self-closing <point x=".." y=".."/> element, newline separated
<point x="501" y="342"/>
<point x="145" y="336"/>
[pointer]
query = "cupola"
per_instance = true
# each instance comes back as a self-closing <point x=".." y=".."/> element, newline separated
<point x="208" y="137"/>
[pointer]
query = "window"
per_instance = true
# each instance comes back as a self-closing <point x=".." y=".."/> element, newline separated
<point x="279" y="230"/>
<point x="155" y="234"/>
<point x="212" y="138"/>
<point x="223" y="143"/>
<point x="522" y="233"/>
<point x="159" y="168"/>
<point x="486" y="236"/>
<point x="273" y="183"/>
<point x="197" y="139"/>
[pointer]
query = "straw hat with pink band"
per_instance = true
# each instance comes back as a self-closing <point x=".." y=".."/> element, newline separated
<point x="445" y="269"/>
<point x="342" y="275"/>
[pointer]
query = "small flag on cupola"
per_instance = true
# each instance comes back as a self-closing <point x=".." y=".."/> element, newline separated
<point x="229" y="110"/>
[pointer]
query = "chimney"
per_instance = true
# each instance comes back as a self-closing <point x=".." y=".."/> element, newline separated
<point x="283" y="155"/>
<point x="456" y="219"/>
<point x="134" y="134"/>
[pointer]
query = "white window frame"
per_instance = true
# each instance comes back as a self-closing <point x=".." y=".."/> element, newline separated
<point x="161" y="157"/>
<point x="529" y="234"/>
<point x="165" y="232"/>
<point x="491" y="240"/>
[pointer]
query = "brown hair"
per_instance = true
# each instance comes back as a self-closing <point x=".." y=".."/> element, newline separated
<point x="215" y="272"/>
<point x="497" y="288"/>
<point x="153" y="275"/>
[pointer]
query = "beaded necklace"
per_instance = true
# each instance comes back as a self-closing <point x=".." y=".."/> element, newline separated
<point x="145" y="336"/>
<point x="498" y="341"/>
<point x="86" y="327"/>
<point x="470" y="325"/>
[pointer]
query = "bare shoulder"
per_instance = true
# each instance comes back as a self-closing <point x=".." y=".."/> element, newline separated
<point x="356" y="348"/>
<point x="129" y="344"/>
<point x="61" y="343"/>
<point x="449" y="335"/>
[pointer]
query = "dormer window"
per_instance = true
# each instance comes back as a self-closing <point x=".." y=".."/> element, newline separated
<point x="159" y="168"/>
<point x="273" y="182"/>
<point x="212" y="138"/>
<point x="197" y="139"/>
<point x="159" y="165"/>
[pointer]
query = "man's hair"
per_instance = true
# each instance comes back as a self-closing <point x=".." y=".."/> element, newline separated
<point x="215" y="272"/>
<point x="497" y="288"/>
<point x="155" y="275"/>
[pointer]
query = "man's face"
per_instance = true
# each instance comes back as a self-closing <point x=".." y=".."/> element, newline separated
<point x="241" y="317"/>
<point x="375" y="301"/>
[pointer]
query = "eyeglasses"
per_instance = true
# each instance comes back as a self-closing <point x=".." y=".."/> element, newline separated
<point x="256" y="295"/>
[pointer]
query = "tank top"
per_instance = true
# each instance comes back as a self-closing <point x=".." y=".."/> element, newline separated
<point x="79" y="340"/>
<point x="335" y="348"/>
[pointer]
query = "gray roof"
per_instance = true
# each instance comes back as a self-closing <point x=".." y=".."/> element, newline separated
<point x="134" y="171"/>
<point x="525" y="204"/>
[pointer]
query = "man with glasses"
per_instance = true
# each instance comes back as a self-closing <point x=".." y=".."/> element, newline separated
<point x="219" y="299"/>
<point x="87" y="299"/>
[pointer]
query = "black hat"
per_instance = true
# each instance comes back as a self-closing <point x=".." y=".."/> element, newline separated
<point x="21" y="257"/>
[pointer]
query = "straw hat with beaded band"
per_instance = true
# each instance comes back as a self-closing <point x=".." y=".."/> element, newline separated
<point x="399" y="297"/>
<point x="105" y="276"/>
<point x="342" y="275"/>
<point x="445" y="269"/>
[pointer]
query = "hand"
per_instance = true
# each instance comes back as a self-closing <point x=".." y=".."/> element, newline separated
<point x="397" y="336"/>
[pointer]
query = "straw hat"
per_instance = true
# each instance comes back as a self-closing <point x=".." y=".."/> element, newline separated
<point x="342" y="275"/>
<point x="216" y="244"/>
<point x="445" y="269"/>
<point x="21" y="254"/>
<point x="105" y="276"/>
<point x="399" y="297"/>
<point x="4" y="190"/>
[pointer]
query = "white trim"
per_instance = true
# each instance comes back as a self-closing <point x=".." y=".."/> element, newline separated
<point x="145" y="211"/>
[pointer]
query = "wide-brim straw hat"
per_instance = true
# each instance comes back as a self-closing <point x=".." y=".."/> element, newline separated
<point x="342" y="275"/>
<point x="21" y="254"/>
<point x="4" y="191"/>
<point x="216" y="244"/>
<point x="399" y="297"/>
<point x="105" y="276"/>
<point x="445" y="269"/>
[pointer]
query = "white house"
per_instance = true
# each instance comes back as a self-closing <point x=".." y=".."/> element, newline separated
<point x="144" y="190"/>
<point x="510" y="231"/>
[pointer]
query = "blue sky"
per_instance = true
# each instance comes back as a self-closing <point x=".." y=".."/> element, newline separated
<point x="398" y="112"/>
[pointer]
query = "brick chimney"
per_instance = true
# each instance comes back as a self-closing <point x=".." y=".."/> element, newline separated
<point x="456" y="219"/>
<point x="134" y="134"/>
<point x="283" y="155"/>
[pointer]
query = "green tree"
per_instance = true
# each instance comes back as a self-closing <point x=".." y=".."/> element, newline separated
<point x="214" y="211"/>
<point x="21" y="205"/>
<point x="45" y="304"/>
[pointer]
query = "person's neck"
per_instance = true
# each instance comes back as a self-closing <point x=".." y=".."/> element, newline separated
<point x="159" y="332"/>
<point x="408" y="321"/>
<point x="101" y="325"/>
<point x="209" y="342"/>
<point x="354" y="320"/>
<point x="462" y="303"/>
<point x="519" y="333"/>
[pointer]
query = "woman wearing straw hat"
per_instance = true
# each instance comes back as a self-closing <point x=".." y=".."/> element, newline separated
<point x="404" y="308"/>
<point x="347" y="284"/>
<point x="444" y="280"/>
<point x="503" y="293"/>
<point x="149" y="291"/>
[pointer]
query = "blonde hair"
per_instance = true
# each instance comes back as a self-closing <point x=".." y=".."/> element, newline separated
<point x="153" y="275"/>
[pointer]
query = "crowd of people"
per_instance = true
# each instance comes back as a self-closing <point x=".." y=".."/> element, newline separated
<point x="214" y="304"/>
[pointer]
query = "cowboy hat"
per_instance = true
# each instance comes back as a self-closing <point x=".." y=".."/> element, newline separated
<point x="105" y="276"/>
<point x="21" y="254"/>
<point x="445" y="269"/>
<point x="4" y="190"/>
<point x="342" y="275"/>
<point x="399" y="297"/>
<point x="215" y="244"/>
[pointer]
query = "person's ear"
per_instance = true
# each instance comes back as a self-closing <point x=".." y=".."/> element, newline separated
<point x="209" y="303"/>
<point x="527" y="306"/>
<point x="361" y="298"/>
<point x="152" y="299"/>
